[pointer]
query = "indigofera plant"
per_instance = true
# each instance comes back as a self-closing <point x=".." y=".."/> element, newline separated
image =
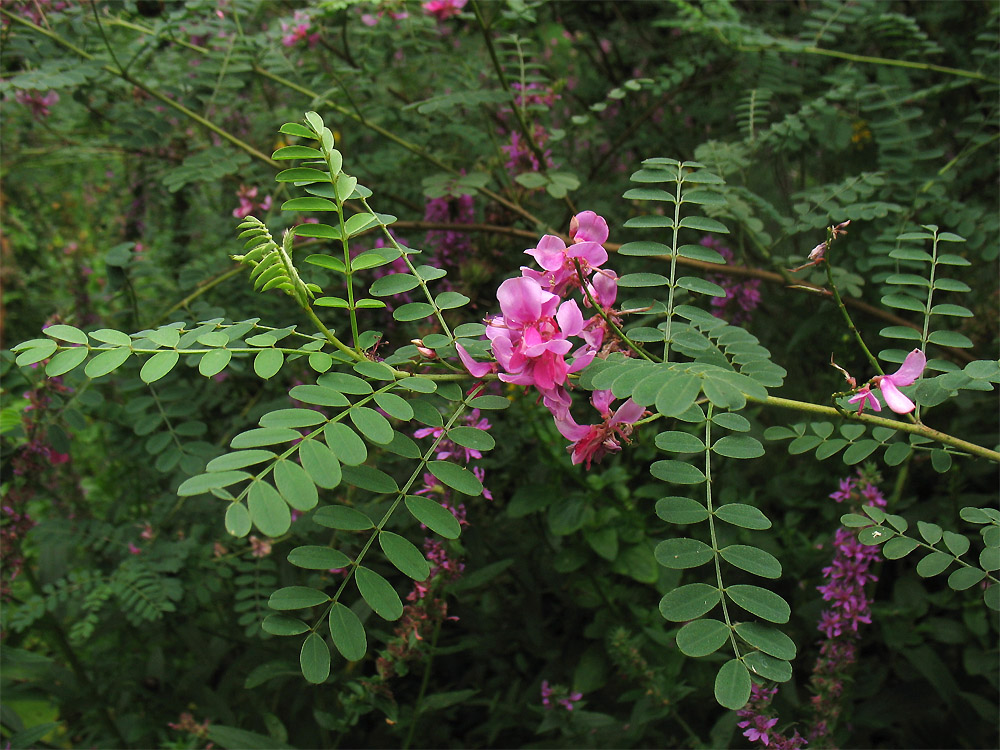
<point x="340" y="461"/>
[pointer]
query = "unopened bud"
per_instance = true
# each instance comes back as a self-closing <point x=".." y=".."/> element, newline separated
<point x="425" y="351"/>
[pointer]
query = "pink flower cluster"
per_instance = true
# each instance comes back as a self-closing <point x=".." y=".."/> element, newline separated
<point x="298" y="30"/>
<point x="34" y="100"/>
<point x="550" y="697"/>
<point x="442" y="10"/>
<point x="539" y="328"/>
<point x="521" y="158"/>
<point x="249" y="202"/>
<point x="758" y="727"/>
<point x="847" y="577"/>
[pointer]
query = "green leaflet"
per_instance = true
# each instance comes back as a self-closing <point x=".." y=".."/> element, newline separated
<point x="347" y="632"/>
<point x="314" y="659"/>
<point x="434" y="516"/>
<point x="404" y="555"/>
<point x="268" y="510"/>
<point x="378" y="594"/>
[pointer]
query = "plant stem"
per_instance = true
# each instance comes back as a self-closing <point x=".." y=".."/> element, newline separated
<point x="673" y="264"/>
<point x="67" y="649"/>
<point x="607" y="318"/>
<point x="352" y="353"/>
<point x="208" y="124"/>
<point x="711" y="530"/>
<point x="847" y="316"/>
<point x="518" y="113"/>
<point x="423" y="687"/>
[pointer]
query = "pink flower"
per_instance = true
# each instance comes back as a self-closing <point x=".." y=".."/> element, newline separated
<point x="587" y="226"/>
<point x="248" y="202"/>
<point x="593" y="442"/>
<point x="864" y="396"/>
<point x="442" y="10"/>
<point x="911" y="369"/>
<point x="557" y="261"/>
<point x="476" y="369"/>
<point x="298" y="30"/>
<point x="530" y="339"/>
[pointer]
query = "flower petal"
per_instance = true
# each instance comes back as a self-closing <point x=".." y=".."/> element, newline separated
<point x="521" y="300"/>
<point x="570" y="318"/>
<point x="587" y="226"/>
<point x="628" y="413"/>
<point x="550" y="252"/>
<point x="894" y="399"/>
<point x="476" y="369"/>
<point x="911" y="369"/>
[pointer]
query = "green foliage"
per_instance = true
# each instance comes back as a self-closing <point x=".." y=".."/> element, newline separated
<point x="889" y="531"/>
<point x="249" y="474"/>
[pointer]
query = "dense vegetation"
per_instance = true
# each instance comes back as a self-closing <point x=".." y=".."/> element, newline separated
<point x="301" y="449"/>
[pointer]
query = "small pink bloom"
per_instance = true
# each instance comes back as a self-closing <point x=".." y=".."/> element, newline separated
<point x="911" y="369"/>
<point x="865" y="397"/>
<point x="442" y="10"/>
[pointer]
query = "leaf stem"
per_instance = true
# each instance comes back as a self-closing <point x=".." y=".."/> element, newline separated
<point x="712" y="534"/>
<point x="847" y="316"/>
<point x="607" y="318"/>
<point x="423" y="686"/>
<point x="912" y="428"/>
